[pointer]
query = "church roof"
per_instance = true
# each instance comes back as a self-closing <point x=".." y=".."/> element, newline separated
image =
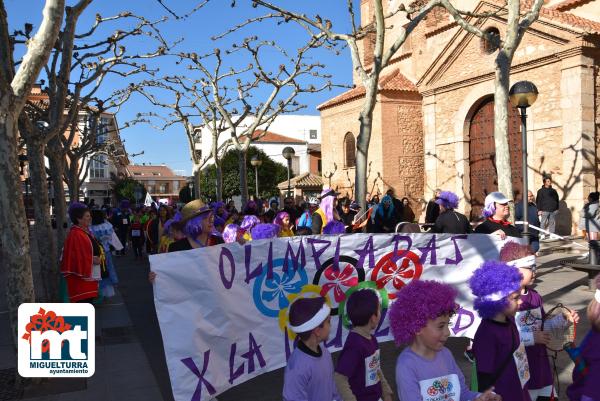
<point x="304" y="180"/>
<point x="394" y="81"/>
<point x="555" y="14"/>
<point x="569" y="4"/>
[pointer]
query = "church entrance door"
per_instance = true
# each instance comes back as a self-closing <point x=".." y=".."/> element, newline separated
<point x="482" y="152"/>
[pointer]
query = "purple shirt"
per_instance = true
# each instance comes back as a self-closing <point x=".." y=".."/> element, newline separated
<point x="529" y="319"/>
<point x="309" y="377"/>
<point x="585" y="388"/>
<point x="359" y="362"/>
<point x="421" y="379"/>
<point x="494" y="344"/>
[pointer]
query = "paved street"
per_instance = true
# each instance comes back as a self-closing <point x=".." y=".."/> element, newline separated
<point x="130" y="359"/>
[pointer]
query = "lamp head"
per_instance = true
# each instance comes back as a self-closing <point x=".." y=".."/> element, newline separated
<point x="523" y="94"/>
<point x="288" y="152"/>
<point x="255" y="161"/>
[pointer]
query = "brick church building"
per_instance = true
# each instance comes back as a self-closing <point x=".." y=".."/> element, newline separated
<point x="433" y="122"/>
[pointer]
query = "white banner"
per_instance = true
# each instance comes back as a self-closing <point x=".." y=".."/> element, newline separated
<point x="223" y="310"/>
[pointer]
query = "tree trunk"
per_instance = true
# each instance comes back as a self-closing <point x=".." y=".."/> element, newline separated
<point x="14" y="235"/>
<point x="73" y="183"/>
<point x="219" y="177"/>
<point x="46" y="242"/>
<point x="243" y="177"/>
<point x="362" y="143"/>
<point x="57" y="167"/>
<point x="503" y="167"/>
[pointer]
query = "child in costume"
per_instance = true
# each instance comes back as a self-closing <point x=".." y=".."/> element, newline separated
<point x="500" y="357"/>
<point x="309" y="371"/>
<point x="283" y="220"/>
<point x="358" y="375"/>
<point x="426" y="370"/>
<point x="586" y="375"/>
<point x="529" y="321"/>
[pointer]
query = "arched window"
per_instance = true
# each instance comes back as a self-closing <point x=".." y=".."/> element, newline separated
<point x="487" y="46"/>
<point x="349" y="150"/>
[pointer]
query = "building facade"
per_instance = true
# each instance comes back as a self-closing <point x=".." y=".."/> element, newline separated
<point x="433" y="123"/>
<point x="160" y="181"/>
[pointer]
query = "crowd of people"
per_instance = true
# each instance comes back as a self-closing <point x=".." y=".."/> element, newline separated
<point x="419" y="317"/>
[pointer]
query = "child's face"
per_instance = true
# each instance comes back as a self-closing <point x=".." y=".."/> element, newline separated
<point x="322" y="333"/>
<point x="528" y="276"/>
<point x="514" y="300"/>
<point x="436" y="333"/>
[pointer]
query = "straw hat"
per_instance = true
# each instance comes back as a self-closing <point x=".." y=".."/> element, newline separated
<point x="193" y="209"/>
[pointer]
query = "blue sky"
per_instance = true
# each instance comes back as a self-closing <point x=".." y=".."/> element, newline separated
<point x="170" y="146"/>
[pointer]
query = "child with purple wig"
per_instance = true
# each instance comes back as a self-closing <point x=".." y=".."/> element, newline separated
<point x="426" y="369"/>
<point x="358" y="374"/>
<point x="248" y="223"/>
<point x="232" y="233"/>
<point x="586" y="378"/>
<point x="529" y="321"/>
<point x="497" y="346"/>
<point x="282" y="219"/>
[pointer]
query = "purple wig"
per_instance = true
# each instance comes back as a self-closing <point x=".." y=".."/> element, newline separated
<point x="249" y="222"/>
<point x="76" y="211"/>
<point x="230" y="233"/>
<point x="279" y="218"/>
<point x="125" y="204"/>
<point x="447" y="199"/>
<point x="76" y="205"/>
<point x="489" y="210"/>
<point x="193" y="227"/>
<point x="250" y="208"/>
<point x="416" y="304"/>
<point x="491" y="284"/>
<point x="265" y="231"/>
<point x="334" y="227"/>
<point x="219" y="221"/>
<point x="326" y="204"/>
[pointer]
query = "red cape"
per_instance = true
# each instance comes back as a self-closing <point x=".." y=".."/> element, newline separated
<point x="77" y="257"/>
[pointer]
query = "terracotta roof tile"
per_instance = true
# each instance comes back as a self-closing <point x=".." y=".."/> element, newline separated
<point x="268" y="136"/>
<point x="568" y="4"/>
<point x="304" y="180"/>
<point x="149" y="171"/>
<point x="394" y="81"/>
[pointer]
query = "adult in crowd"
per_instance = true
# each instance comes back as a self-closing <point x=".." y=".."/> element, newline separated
<point x="547" y="204"/>
<point x="289" y="206"/>
<point x="450" y="221"/>
<point x="272" y="211"/>
<point x="282" y="219"/>
<point x="82" y="256"/>
<point x="407" y="212"/>
<point x="532" y="218"/>
<point x="199" y="228"/>
<point x="251" y="208"/>
<point x="231" y="207"/>
<point x="103" y="231"/>
<point x="156" y="227"/>
<point x="398" y="207"/>
<point x="496" y="212"/>
<point x="304" y="222"/>
<point x="432" y="211"/>
<point x="346" y="215"/>
<point x="326" y="211"/>
<point x="385" y="216"/>
<point x="589" y="217"/>
<point x="121" y="221"/>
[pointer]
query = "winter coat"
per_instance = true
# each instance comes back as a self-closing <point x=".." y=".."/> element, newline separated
<point x="547" y="199"/>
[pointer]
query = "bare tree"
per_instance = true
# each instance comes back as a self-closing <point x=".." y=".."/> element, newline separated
<point x="14" y="90"/>
<point x="384" y="49"/>
<point x="221" y="98"/>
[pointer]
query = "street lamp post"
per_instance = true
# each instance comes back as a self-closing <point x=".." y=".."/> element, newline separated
<point x="522" y="95"/>
<point x="256" y="162"/>
<point x="287" y="153"/>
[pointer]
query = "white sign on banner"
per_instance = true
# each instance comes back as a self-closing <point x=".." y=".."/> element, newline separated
<point x="223" y="309"/>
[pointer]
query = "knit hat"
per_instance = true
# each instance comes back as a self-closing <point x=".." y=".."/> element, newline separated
<point x="307" y="314"/>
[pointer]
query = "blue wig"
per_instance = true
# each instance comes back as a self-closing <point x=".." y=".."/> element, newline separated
<point x="386" y="200"/>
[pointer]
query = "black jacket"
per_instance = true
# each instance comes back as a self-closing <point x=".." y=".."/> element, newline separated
<point x="532" y="218"/>
<point x="547" y="199"/>
<point x="453" y="223"/>
<point x="432" y="212"/>
<point x="489" y="226"/>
